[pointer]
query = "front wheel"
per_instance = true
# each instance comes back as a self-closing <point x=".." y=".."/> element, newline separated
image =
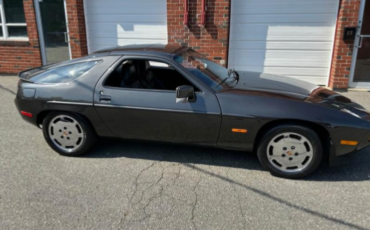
<point x="68" y="134"/>
<point x="290" y="151"/>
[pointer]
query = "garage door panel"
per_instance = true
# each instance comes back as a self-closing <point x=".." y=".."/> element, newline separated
<point x="122" y="4"/>
<point x="291" y="38"/>
<point x="145" y="31"/>
<point x="280" y="8"/>
<point x="282" y="58"/>
<point x="281" y="33"/>
<point x="121" y="42"/>
<point x="305" y="71"/>
<point x="139" y="26"/>
<point x="114" y="41"/>
<point x="244" y="46"/>
<point x="124" y="22"/>
<point x="132" y="18"/>
<point x="126" y="10"/>
<point x="282" y="18"/>
<point x="276" y="3"/>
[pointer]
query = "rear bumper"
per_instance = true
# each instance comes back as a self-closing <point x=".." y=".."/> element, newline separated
<point x="29" y="106"/>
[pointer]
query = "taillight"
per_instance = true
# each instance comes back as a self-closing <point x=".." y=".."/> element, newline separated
<point x="26" y="114"/>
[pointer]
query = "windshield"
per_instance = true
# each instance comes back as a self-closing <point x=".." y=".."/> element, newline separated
<point x="210" y="73"/>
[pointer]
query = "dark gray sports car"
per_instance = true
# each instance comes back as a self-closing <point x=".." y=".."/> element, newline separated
<point x="174" y="94"/>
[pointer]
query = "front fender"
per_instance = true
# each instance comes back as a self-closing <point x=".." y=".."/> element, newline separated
<point x="252" y="112"/>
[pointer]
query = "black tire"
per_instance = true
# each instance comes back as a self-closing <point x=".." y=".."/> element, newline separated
<point x="309" y="134"/>
<point x="88" y="134"/>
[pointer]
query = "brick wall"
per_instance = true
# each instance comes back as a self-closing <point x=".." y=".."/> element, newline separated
<point x="16" y="56"/>
<point x="210" y="40"/>
<point x="342" y="55"/>
<point x="77" y="29"/>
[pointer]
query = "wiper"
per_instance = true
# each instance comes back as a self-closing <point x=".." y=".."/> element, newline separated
<point x="232" y="74"/>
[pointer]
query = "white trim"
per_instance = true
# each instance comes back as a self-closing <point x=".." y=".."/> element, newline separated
<point x="69" y="103"/>
<point x="5" y="26"/>
<point x="355" y="51"/>
<point x="87" y="31"/>
<point x="16" y="24"/>
<point x="17" y="39"/>
<point x="67" y="28"/>
<point x="333" y="44"/>
<point x="40" y="31"/>
<point x="3" y="20"/>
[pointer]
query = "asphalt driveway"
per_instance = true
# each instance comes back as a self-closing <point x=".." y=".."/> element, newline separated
<point x="134" y="185"/>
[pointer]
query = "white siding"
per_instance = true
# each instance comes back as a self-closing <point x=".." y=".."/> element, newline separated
<point x="122" y="22"/>
<point x="292" y="38"/>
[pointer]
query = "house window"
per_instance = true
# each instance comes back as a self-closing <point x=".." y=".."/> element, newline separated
<point x="12" y="20"/>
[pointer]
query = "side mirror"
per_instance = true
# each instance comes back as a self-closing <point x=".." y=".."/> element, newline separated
<point x="185" y="94"/>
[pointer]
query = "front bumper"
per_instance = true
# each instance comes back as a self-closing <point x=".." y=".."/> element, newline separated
<point x="341" y="155"/>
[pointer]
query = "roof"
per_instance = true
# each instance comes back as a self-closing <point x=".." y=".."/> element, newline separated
<point x="159" y="48"/>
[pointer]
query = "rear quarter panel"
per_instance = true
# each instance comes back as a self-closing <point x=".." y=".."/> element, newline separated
<point x="79" y="95"/>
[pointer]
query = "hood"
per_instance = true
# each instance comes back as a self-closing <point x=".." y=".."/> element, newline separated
<point x="274" y="84"/>
<point x="262" y="84"/>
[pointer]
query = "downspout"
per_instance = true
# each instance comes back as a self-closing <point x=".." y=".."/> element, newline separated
<point x="186" y="13"/>
<point x="203" y="14"/>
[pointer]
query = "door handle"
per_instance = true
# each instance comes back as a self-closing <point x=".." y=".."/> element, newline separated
<point x="105" y="98"/>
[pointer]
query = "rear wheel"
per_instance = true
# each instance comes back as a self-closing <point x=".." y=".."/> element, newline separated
<point x="68" y="134"/>
<point x="290" y="151"/>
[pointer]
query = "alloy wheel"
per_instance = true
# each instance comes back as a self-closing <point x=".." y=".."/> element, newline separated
<point x="66" y="133"/>
<point x="290" y="152"/>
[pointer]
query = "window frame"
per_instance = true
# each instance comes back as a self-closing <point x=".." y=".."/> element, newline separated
<point x="148" y="58"/>
<point x="4" y="26"/>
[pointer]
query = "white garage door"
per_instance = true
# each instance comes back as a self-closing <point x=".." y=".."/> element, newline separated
<point x="122" y="22"/>
<point x="291" y="38"/>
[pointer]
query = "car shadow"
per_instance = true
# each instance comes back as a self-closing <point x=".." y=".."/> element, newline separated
<point x="357" y="170"/>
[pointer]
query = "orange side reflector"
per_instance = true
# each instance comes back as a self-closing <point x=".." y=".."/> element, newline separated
<point x="345" y="142"/>
<point x="239" y="130"/>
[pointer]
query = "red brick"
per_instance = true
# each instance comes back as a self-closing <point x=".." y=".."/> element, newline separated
<point x="212" y="39"/>
<point x="339" y="73"/>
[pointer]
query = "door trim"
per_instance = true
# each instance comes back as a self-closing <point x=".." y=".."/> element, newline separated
<point x="154" y="109"/>
<point x="351" y="83"/>
<point x="41" y="31"/>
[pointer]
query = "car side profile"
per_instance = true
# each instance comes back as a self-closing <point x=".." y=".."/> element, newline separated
<point x="173" y="94"/>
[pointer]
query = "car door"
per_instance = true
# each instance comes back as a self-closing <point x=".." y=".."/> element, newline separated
<point x="154" y="114"/>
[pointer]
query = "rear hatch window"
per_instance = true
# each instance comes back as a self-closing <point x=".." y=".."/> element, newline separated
<point x="63" y="74"/>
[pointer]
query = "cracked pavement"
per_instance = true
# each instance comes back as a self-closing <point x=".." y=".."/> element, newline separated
<point x="137" y="185"/>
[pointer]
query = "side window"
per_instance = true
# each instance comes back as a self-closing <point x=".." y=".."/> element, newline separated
<point x="146" y="74"/>
<point x="64" y="74"/>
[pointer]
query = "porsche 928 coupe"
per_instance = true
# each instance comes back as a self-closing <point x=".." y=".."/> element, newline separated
<point x="174" y="94"/>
